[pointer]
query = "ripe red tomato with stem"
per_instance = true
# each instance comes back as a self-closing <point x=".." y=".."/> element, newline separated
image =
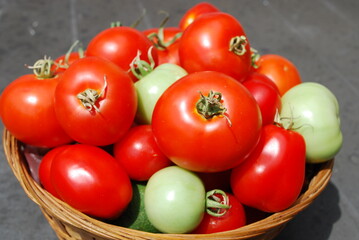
<point x="120" y="44"/>
<point x="266" y="94"/>
<point x="138" y="153"/>
<point x="272" y="177"/>
<point x="95" y="101"/>
<point x="206" y="122"/>
<point x="64" y="61"/>
<point x="194" y="12"/>
<point x="27" y="108"/>
<point x="234" y="217"/>
<point x="217" y="42"/>
<point x="280" y="70"/>
<point x="90" y="180"/>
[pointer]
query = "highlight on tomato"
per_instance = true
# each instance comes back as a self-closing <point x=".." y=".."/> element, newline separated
<point x="194" y="12"/>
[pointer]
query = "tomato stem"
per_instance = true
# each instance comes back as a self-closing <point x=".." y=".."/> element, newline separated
<point x="42" y="68"/>
<point x="238" y="44"/>
<point x="89" y="97"/>
<point x="211" y="106"/>
<point x="255" y="56"/>
<point x="215" y="206"/>
<point x="141" y="68"/>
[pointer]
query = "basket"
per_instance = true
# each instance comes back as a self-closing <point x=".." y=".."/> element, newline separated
<point x="70" y="224"/>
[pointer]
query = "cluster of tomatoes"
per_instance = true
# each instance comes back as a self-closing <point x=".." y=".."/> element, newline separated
<point x="184" y="110"/>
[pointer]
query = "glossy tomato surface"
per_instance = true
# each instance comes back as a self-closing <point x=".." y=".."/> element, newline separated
<point x="195" y="142"/>
<point x="196" y="11"/>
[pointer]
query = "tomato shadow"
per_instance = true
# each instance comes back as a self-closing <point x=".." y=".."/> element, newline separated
<point x="316" y="221"/>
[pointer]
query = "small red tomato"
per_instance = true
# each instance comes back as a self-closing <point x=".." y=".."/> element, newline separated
<point x="90" y="180"/>
<point x="138" y="153"/>
<point x="194" y="12"/>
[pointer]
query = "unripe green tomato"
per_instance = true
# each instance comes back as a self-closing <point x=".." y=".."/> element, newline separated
<point x="150" y="88"/>
<point x="314" y="112"/>
<point x="175" y="200"/>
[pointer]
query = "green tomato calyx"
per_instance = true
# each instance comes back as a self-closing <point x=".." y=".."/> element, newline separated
<point x="211" y="105"/>
<point x="141" y="68"/>
<point x="255" y="56"/>
<point x="217" y="203"/>
<point x="89" y="97"/>
<point x="237" y="45"/>
<point x="42" y="68"/>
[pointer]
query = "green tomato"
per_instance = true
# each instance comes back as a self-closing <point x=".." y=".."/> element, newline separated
<point x="175" y="200"/>
<point x="313" y="110"/>
<point x="151" y="86"/>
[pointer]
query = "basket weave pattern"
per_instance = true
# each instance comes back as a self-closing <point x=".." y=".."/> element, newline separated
<point x="70" y="224"/>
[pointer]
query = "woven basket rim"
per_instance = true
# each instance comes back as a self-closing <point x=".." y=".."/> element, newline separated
<point x="66" y="213"/>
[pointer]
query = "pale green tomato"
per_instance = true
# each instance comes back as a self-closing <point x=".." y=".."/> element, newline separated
<point x="314" y="112"/>
<point x="150" y="88"/>
<point x="175" y="200"/>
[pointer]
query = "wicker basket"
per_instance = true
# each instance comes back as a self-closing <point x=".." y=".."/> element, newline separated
<point x="70" y="224"/>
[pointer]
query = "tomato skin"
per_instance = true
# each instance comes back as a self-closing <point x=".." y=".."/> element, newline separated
<point x="205" y="46"/>
<point x="212" y="145"/>
<point x="120" y="45"/>
<point x="90" y="180"/>
<point x="194" y="12"/>
<point x="234" y="218"/>
<point x="27" y="111"/>
<point x="266" y="94"/>
<point x="271" y="178"/>
<point x="280" y="70"/>
<point x="45" y="169"/>
<point x="170" y="53"/>
<point x="138" y="148"/>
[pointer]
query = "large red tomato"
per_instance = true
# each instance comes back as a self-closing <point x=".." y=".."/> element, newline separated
<point x="121" y="45"/>
<point x="95" y="101"/>
<point x="271" y="178"/>
<point x="27" y="111"/>
<point x="90" y="180"/>
<point x="280" y="70"/>
<point x="138" y="153"/>
<point x="206" y="122"/>
<point x="217" y="42"/>
<point x="194" y="12"/>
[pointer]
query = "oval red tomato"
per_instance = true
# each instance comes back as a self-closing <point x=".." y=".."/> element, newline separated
<point x="90" y="180"/>
<point x="138" y="153"/>
<point x="206" y="141"/>
<point x="280" y="70"/>
<point x="95" y="101"/>
<point x="271" y="178"/>
<point x="194" y="12"/>
<point x="216" y="42"/>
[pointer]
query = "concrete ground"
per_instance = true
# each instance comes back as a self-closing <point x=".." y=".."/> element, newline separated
<point x="321" y="37"/>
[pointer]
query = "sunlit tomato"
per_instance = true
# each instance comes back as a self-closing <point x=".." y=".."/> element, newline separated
<point x="166" y="41"/>
<point x="206" y="122"/>
<point x="121" y="45"/>
<point x="234" y="217"/>
<point x="90" y="180"/>
<point x="138" y="153"/>
<point x="27" y="111"/>
<point x="271" y="178"/>
<point x="216" y="42"/>
<point x="95" y="101"/>
<point x="266" y="94"/>
<point x="280" y="70"/>
<point x="194" y="12"/>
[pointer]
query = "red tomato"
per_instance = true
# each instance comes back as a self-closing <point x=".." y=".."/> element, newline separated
<point x="235" y="217"/>
<point x="206" y="141"/>
<point x="266" y="94"/>
<point x="194" y="12"/>
<point x="217" y="42"/>
<point x="280" y="70"/>
<point x="45" y="168"/>
<point x="63" y="63"/>
<point x="167" y="45"/>
<point x="27" y="111"/>
<point x="95" y="101"/>
<point x="271" y="178"/>
<point x="90" y="180"/>
<point x="139" y="154"/>
<point x="121" y="45"/>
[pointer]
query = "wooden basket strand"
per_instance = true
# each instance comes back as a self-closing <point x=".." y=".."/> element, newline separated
<point x="70" y="224"/>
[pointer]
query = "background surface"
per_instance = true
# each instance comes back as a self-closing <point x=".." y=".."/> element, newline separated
<point x="320" y="37"/>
